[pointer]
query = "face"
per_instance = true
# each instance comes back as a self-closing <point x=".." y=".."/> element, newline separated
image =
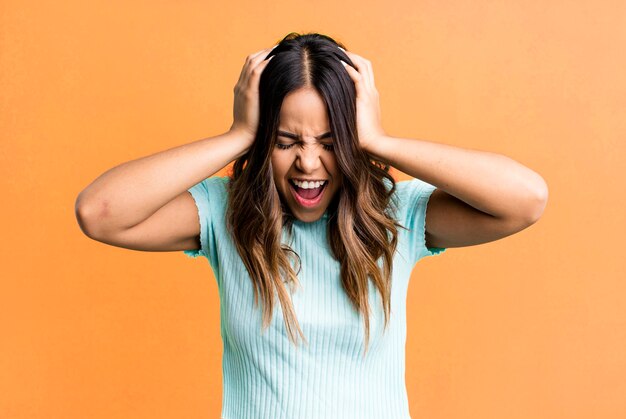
<point x="304" y="152"/>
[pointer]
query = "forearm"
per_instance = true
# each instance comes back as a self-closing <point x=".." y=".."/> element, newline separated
<point x="490" y="182"/>
<point x="128" y="194"/>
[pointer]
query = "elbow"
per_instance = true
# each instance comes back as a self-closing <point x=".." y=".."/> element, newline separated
<point x="84" y="216"/>
<point x="80" y="212"/>
<point x="538" y="201"/>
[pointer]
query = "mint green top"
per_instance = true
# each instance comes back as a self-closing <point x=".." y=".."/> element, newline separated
<point x="264" y="374"/>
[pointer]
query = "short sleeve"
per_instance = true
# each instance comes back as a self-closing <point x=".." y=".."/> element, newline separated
<point x="412" y="200"/>
<point x="210" y="197"/>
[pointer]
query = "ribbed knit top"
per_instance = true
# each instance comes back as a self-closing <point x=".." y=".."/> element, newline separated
<point x="264" y="374"/>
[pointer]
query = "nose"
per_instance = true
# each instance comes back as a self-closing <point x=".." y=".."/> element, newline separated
<point x="308" y="158"/>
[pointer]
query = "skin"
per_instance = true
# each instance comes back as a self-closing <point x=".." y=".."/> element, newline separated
<point x="304" y="114"/>
<point x="480" y="197"/>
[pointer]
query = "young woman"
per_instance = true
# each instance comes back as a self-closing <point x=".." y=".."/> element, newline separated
<point x="311" y="217"/>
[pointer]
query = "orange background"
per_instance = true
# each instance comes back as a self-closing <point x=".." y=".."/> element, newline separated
<point x="532" y="326"/>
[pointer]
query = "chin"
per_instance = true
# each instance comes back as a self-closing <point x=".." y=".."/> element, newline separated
<point x="308" y="218"/>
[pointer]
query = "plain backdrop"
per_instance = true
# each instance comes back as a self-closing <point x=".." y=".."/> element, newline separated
<point x="530" y="326"/>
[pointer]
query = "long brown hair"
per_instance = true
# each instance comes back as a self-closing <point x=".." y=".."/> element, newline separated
<point x="360" y="230"/>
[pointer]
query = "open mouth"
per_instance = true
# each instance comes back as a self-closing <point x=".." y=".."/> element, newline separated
<point x="308" y="197"/>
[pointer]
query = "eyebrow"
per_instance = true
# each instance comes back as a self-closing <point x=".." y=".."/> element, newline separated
<point x="297" y="137"/>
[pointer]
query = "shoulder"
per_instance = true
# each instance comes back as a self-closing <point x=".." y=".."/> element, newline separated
<point x="211" y="195"/>
<point x="409" y="193"/>
<point x="403" y="187"/>
<point x="411" y="187"/>
<point x="213" y="186"/>
<point x="219" y="183"/>
<point x="411" y="199"/>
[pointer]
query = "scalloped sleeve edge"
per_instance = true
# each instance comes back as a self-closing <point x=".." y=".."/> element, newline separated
<point x="202" y="206"/>
<point x="425" y="250"/>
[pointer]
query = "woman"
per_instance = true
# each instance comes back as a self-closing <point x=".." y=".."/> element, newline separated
<point x="311" y="216"/>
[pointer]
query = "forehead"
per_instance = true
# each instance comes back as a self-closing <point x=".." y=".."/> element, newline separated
<point x="304" y="112"/>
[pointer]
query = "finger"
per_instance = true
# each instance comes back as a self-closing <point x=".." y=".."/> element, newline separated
<point x="356" y="77"/>
<point x="365" y="69"/>
<point x="256" y="54"/>
<point x="255" y="75"/>
<point x="355" y="73"/>
<point x="370" y="72"/>
<point x="263" y="53"/>
<point x="252" y="61"/>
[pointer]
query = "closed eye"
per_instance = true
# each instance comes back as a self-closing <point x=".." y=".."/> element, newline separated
<point x="327" y="147"/>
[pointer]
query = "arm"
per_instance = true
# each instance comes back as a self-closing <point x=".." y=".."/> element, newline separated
<point x="143" y="204"/>
<point x="480" y="196"/>
<point x="130" y="193"/>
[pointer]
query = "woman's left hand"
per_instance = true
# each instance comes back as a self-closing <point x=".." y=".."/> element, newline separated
<point x="367" y="101"/>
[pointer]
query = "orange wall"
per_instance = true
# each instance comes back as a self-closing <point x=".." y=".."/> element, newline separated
<point x="532" y="326"/>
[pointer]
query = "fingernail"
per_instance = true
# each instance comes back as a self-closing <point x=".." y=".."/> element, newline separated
<point x="341" y="48"/>
<point x="344" y="64"/>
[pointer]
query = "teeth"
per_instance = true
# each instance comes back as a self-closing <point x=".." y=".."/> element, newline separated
<point x="308" y="185"/>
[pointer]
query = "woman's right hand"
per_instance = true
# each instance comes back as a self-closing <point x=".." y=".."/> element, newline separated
<point x="246" y="103"/>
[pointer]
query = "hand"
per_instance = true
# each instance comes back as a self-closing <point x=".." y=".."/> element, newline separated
<point x="367" y="101"/>
<point x="246" y="103"/>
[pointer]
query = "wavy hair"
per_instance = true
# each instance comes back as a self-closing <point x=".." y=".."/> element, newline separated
<point x="359" y="228"/>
